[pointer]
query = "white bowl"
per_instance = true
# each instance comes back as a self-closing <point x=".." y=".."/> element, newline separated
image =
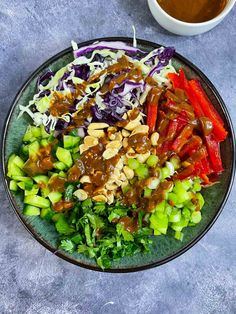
<point x="183" y="28"/>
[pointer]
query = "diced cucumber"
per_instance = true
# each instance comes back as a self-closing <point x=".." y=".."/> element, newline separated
<point x="178" y="226"/>
<point x="44" y="134"/>
<point x="165" y="173"/>
<point x="33" y="191"/>
<point x="43" y="104"/>
<point x="46" y="213"/>
<point x="44" y="142"/>
<point x="30" y="210"/>
<point x="59" y="165"/>
<point x="33" y="148"/>
<point x="21" y="185"/>
<point x="41" y="179"/>
<point x="45" y="192"/>
<point x="64" y="156"/>
<point x="13" y="186"/>
<point x="31" y="132"/>
<point x="20" y="178"/>
<point x="36" y="200"/>
<point x="29" y="184"/>
<point x="18" y="161"/>
<point x="70" y="141"/>
<point x="55" y="197"/>
<point x="13" y="169"/>
<point x="62" y="174"/>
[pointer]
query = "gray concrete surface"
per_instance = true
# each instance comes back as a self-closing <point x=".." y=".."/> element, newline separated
<point x="34" y="281"/>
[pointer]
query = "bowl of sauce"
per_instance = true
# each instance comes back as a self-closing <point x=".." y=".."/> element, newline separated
<point x="189" y="17"/>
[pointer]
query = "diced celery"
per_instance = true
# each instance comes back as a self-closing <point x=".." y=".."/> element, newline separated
<point x="179" y="235"/>
<point x="175" y="216"/>
<point x="147" y="192"/>
<point x="168" y="209"/>
<point x="200" y="199"/>
<point x="189" y="204"/>
<point x="21" y="185"/>
<point x="186" y="213"/>
<point x="45" y="191"/>
<point x="160" y="207"/>
<point x="165" y="173"/>
<point x="175" y="162"/>
<point x="20" y="178"/>
<point x="62" y="174"/>
<point x="142" y="171"/>
<point x="178" y="226"/>
<point x="159" y="222"/>
<point x="13" y="186"/>
<point x="197" y="185"/>
<point x="133" y="163"/>
<point x="55" y="197"/>
<point x="64" y="156"/>
<point x="196" y="217"/>
<point x="31" y="132"/>
<point x="173" y="198"/>
<point x="125" y="189"/>
<point x="44" y="134"/>
<point x="152" y="161"/>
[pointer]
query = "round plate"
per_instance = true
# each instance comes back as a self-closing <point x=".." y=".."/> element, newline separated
<point x="164" y="248"/>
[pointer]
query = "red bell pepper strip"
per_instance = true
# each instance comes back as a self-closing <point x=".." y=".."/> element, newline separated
<point x="206" y="109"/>
<point x="182" y="138"/>
<point x="178" y="108"/>
<point x="186" y="173"/>
<point x="192" y="144"/>
<point x="197" y="155"/>
<point x="213" y="148"/>
<point x="183" y="80"/>
<point x="152" y="108"/>
<point x="174" y="78"/>
<point x="205" y="166"/>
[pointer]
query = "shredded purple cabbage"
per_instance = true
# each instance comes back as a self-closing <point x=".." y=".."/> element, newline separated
<point x="164" y="59"/>
<point x="44" y="78"/>
<point x="82" y="71"/>
<point x="115" y="45"/>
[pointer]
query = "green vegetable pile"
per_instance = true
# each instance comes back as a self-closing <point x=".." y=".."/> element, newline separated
<point x="93" y="228"/>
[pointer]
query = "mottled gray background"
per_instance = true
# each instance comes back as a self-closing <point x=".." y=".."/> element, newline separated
<point x="32" y="280"/>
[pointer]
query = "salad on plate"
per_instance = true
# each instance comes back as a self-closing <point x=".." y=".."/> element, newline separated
<point x="120" y="146"/>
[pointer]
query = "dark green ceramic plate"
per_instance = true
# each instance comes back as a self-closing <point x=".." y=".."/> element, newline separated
<point x="164" y="248"/>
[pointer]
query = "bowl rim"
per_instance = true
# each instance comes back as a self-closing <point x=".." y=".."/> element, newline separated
<point x="67" y="257"/>
<point x="217" y="18"/>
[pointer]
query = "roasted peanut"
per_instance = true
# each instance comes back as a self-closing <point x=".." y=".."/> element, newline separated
<point x="132" y="125"/>
<point x="83" y="148"/>
<point x="97" y="126"/>
<point x="114" y="144"/>
<point x="85" y="179"/>
<point x="140" y="129"/>
<point x="81" y="194"/>
<point x="125" y="133"/>
<point x="100" y="198"/>
<point x="125" y="142"/>
<point x="143" y="157"/>
<point x="90" y="141"/>
<point x="109" y="153"/>
<point x="96" y="133"/>
<point x="128" y="172"/>
<point x="154" y="138"/>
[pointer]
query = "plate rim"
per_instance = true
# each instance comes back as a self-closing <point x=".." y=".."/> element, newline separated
<point x="66" y="257"/>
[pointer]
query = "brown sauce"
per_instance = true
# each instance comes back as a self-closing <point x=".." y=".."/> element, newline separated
<point x="41" y="163"/>
<point x="57" y="184"/>
<point x="62" y="205"/>
<point x="193" y="11"/>
<point x="129" y="224"/>
<point x="140" y="143"/>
